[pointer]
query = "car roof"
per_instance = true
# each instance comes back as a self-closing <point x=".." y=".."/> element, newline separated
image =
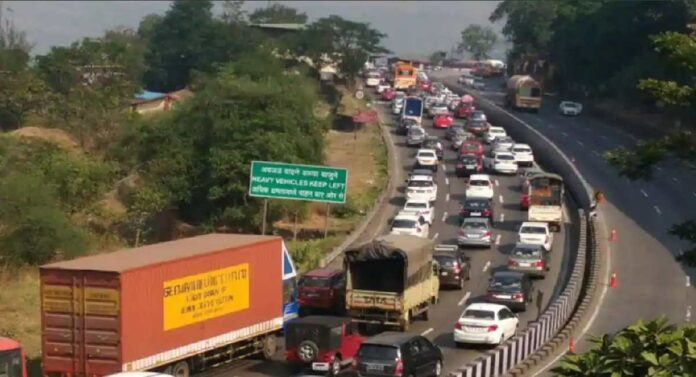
<point x="484" y="306"/>
<point x="323" y="272"/>
<point x="476" y="220"/>
<point x="428" y="150"/>
<point x="480" y="177"/>
<point x="528" y="246"/>
<point x="325" y="320"/>
<point x="390" y="338"/>
<point x="511" y="274"/>
<point x="518" y="145"/>
<point x="534" y="223"/>
<point x="418" y="177"/>
<point x="406" y="215"/>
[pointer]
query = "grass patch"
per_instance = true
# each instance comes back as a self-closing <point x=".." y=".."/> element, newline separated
<point x="20" y="308"/>
<point x="307" y="254"/>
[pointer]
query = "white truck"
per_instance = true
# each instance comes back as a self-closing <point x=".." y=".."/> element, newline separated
<point x="545" y="192"/>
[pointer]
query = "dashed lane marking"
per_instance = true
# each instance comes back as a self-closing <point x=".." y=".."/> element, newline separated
<point x="688" y="313"/>
<point x="657" y="209"/>
<point x="497" y="240"/>
<point x="447" y="197"/>
<point x="500" y="197"/>
<point x="444" y="217"/>
<point x="428" y="331"/>
<point x="605" y="137"/>
<point x="485" y="266"/>
<point x="444" y="167"/>
<point x="688" y="281"/>
<point x="502" y="217"/>
<point x="497" y="183"/>
<point x="463" y="300"/>
<point x="564" y="134"/>
<point x="435" y="236"/>
<point x="596" y="154"/>
<point x="447" y="181"/>
<point x="580" y="143"/>
<point x="645" y="194"/>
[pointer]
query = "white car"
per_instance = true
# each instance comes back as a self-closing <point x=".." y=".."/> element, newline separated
<point x="484" y="323"/>
<point x="523" y="154"/>
<point x="422" y="208"/>
<point x="493" y="133"/>
<point x="479" y="186"/>
<point x="421" y="187"/>
<point x="501" y="162"/>
<point x="382" y="86"/>
<point x="437" y="109"/>
<point x="535" y="233"/>
<point x="373" y="79"/>
<point x="407" y="223"/>
<point x="426" y="159"/>
<point x="570" y="108"/>
<point x="397" y="107"/>
<point x="502" y="144"/>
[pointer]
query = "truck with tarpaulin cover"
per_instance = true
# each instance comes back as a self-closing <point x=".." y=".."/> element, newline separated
<point x="391" y="280"/>
<point x="523" y="92"/>
<point x="545" y="194"/>
<point x="174" y="307"/>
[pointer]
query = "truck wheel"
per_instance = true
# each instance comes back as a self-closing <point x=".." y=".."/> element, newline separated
<point x="335" y="367"/>
<point x="181" y="369"/>
<point x="270" y="346"/>
<point x="307" y="351"/>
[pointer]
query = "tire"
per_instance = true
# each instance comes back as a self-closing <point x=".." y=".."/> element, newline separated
<point x="181" y="369"/>
<point x="307" y="351"/>
<point x="438" y="369"/>
<point x="335" y="367"/>
<point x="270" y="347"/>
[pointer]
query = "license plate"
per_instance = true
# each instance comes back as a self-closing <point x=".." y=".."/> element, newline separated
<point x="312" y="294"/>
<point x="322" y="367"/>
<point x="470" y="166"/>
<point x="374" y="367"/>
<point x="474" y="329"/>
<point x="525" y="265"/>
<point x="475" y="213"/>
<point x="506" y="297"/>
<point x="475" y="236"/>
<point x="444" y="273"/>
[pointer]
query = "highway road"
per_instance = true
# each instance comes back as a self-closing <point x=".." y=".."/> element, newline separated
<point x="650" y="282"/>
<point x="451" y="191"/>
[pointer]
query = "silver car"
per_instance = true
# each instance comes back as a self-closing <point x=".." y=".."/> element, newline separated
<point x="475" y="231"/>
<point x="530" y="259"/>
<point x="504" y="143"/>
<point x="416" y="136"/>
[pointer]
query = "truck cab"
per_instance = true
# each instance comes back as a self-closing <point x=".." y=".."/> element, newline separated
<point x="12" y="360"/>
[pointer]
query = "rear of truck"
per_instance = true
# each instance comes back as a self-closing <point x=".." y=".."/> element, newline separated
<point x="391" y="280"/>
<point x="545" y="193"/>
<point x="173" y="307"/>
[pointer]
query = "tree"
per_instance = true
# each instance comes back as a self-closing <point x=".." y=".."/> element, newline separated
<point x="653" y="348"/>
<point x="437" y="57"/>
<point x="21" y="94"/>
<point x="232" y="12"/>
<point x="478" y="40"/>
<point x="277" y="14"/>
<point x="148" y="25"/>
<point x="528" y="24"/>
<point x="346" y="42"/>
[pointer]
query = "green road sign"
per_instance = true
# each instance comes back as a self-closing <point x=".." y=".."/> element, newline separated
<point x="277" y="180"/>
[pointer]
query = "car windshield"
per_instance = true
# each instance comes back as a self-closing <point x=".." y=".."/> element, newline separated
<point x="479" y="183"/>
<point x="416" y="205"/>
<point x="403" y="223"/>
<point x="478" y="314"/>
<point x="570" y="105"/>
<point x="10" y="364"/>
<point x="416" y="131"/>
<point x="378" y="352"/>
<point x="373" y="75"/>
<point x="506" y="282"/>
<point x="471" y="147"/>
<point x="315" y="282"/>
<point x="521" y="150"/>
<point x="476" y="204"/>
<point x="468" y="160"/>
<point x="505" y="157"/>
<point x="420" y="184"/>
<point x="445" y="260"/>
<point x="426" y="155"/>
<point x="533" y="230"/>
<point x="477" y="124"/>
<point x="526" y="252"/>
<point x="474" y="225"/>
<point x="493" y="131"/>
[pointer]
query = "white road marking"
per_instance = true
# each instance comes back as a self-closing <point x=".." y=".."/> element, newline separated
<point x="485" y="266"/>
<point x="435" y="236"/>
<point x="675" y="179"/>
<point x="502" y="217"/>
<point x="447" y="197"/>
<point x="497" y="183"/>
<point x="580" y="143"/>
<point x="447" y="181"/>
<point x="644" y="193"/>
<point x="428" y="331"/>
<point x="605" y="137"/>
<point x="444" y="167"/>
<point x="657" y="209"/>
<point x="596" y="154"/>
<point x="694" y="193"/>
<point x="688" y="313"/>
<point x="658" y="168"/>
<point x="444" y="216"/>
<point x="500" y="197"/>
<point x="564" y="134"/>
<point x="688" y="281"/>
<point x="497" y="239"/>
<point x="463" y="300"/>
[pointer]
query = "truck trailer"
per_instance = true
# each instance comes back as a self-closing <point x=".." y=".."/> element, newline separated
<point x="174" y="307"/>
<point x="523" y="92"/>
<point x="391" y="280"/>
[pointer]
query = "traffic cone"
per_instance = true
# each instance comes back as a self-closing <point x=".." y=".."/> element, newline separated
<point x="571" y="345"/>
<point x="614" y="281"/>
<point x="614" y="236"/>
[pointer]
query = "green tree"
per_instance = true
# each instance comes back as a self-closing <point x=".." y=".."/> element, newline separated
<point x="477" y="40"/>
<point x="528" y="24"/>
<point x="148" y="25"/>
<point x="276" y="13"/>
<point x="22" y="93"/>
<point x="233" y="12"/>
<point x="346" y="42"/>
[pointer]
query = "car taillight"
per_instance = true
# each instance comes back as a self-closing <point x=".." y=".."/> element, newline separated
<point x="464" y="213"/>
<point x="492" y="328"/>
<point x="487" y="212"/>
<point x="487" y="233"/>
<point x="512" y="263"/>
<point x="458" y="326"/>
<point x="518" y="297"/>
<point x="399" y="370"/>
<point x="539" y="264"/>
<point x="457" y="268"/>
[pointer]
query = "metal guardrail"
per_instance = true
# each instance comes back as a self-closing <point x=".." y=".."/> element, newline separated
<point x="560" y="318"/>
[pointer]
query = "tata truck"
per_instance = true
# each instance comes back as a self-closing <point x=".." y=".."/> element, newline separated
<point x="412" y="109"/>
<point x="545" y="194"/>
<point x="175" y="307"/>
<point x="391" y="280"/>
<point x="523" y="93"/>
<point x="12" y="359"/>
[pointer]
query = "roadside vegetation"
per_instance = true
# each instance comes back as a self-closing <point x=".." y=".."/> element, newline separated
<point x="82" y="173"/>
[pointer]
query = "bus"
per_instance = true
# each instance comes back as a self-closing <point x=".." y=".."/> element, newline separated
<point x="412" y="109"/>
<point x="545" y="193"/>
<point x="523" y="92"/>
<point x="291" y="305"/>
<point x="405" y="76"/>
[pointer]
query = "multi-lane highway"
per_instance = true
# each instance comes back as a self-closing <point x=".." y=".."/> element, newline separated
<point x="451" y="191"/>
<point x="650" y="282"/>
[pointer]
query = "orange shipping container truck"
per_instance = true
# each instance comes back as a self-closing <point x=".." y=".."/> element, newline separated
<point x="176" y="306"/>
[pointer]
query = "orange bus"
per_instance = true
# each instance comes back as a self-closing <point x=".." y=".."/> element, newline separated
<point x="405" y="76"/>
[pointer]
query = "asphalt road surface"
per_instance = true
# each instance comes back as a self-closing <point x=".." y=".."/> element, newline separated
<point x="650" y="282"/>
<point x="451" y="191"/>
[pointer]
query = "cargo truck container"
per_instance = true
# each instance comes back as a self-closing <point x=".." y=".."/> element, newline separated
<point x="523" y="92"/>
<point x="12" y="359"/>
<point x="545" y="192"/>
<point x="174" y="307"/>
<point x="391" y="280"/>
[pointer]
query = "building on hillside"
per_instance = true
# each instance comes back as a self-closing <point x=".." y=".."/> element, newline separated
<point x="153" y="102"/>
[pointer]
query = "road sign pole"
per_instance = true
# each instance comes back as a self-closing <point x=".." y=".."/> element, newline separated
<point x="294" y="229"/>
<point x="326" y="223"/>
<point x="265" y="212"/>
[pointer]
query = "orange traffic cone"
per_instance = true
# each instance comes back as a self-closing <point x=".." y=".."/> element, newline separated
<point x="571" y="345"/>
<point x="614" y="281"/>
<point x="614" y="236"/>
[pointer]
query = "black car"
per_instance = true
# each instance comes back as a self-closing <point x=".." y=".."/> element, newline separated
<point x="476" y="207"/>
<point x="404" y="126"/>
<point x="509" y="288"/>
<point x="468" y="164"/>
<point x="398" y="354"/>
<point x="449" y="134"/>
<point x="454" y="267"/>
<point x="431" y="142"/>
<point x="477" y="127"/>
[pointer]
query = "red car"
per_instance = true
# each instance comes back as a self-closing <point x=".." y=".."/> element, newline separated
<point x="388" y="94"/>
<point x="443" y="121"/>
<point x="524" y="202"/>
<point x="471" y="147"/>
<point x="322" y="343"/>
<point x="323" y="289"/>
<point x="465" y="110"/>
<point x="424" y="86"/>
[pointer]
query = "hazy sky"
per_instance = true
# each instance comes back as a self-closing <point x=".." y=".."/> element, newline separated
<point x="412" y="26"/>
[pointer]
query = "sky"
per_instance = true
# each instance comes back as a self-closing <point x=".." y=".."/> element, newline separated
<point x="412" y="27"/>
